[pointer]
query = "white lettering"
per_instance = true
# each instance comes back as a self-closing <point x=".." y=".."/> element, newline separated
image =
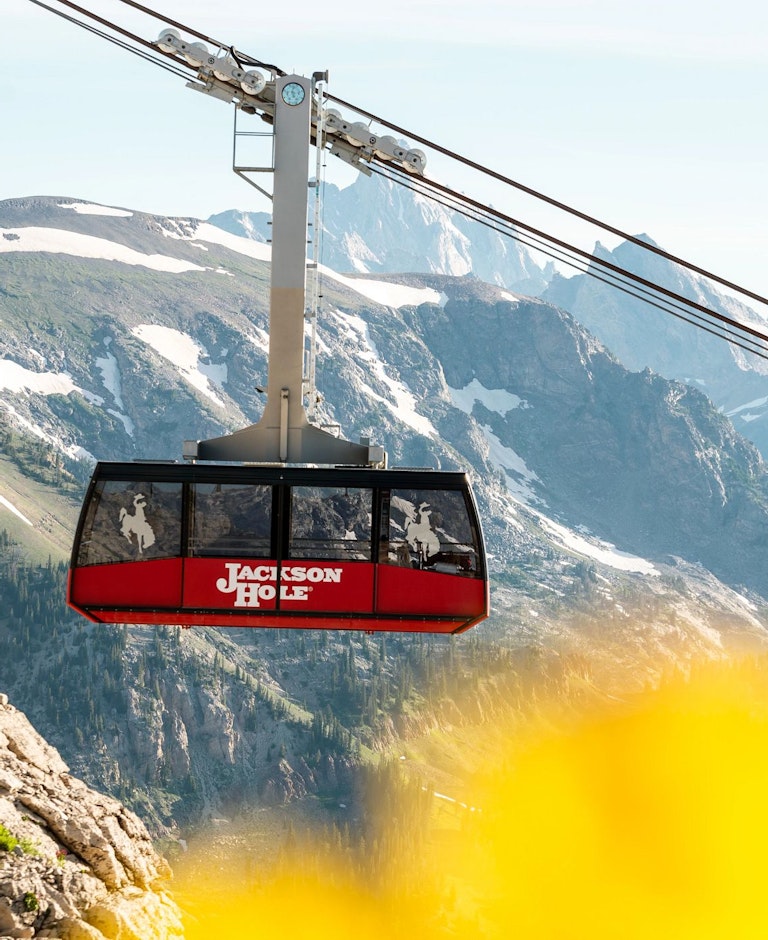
<point x="249" y="587"/>
<point x="247" y="594"/>
<point x="294" y="593"/>
<point x="227" y="586"/>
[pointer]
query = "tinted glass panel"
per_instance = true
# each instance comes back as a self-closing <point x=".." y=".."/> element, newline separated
<point x="429" y="530"/>
<point x="130" y="521"/>
<point x="331" y="522"/>
<point x="231" y="519"/>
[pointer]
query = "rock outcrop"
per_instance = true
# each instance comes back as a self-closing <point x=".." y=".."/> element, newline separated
<point x="74" y="864"/>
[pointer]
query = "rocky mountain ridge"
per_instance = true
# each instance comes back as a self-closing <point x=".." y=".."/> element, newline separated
<point x="359" y="222"/>
<point x="644" y="337"/>
<point x="374" y="226"/>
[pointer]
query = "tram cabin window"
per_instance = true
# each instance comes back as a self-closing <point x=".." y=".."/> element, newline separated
<point x="431" y="530"/>
<point x="230" y="519"/>
<point x="331" y="522"/>
<point x="131" y="520"/>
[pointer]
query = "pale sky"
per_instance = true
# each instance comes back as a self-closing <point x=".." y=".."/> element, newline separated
<point x="649" y="116"/>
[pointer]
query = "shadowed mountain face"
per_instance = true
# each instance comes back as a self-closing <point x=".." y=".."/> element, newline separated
<point x="649" y="463"/>
<point x="644" y="337"/>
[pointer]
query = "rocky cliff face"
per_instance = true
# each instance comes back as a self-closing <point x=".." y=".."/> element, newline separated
<point x="74" y="864"/>
<point x="376" y="226"/>
<point x="642" y="336"/>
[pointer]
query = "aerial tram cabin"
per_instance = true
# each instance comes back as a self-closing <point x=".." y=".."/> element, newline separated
<point x="281" y="524"/>
<point x="348" y="548"/>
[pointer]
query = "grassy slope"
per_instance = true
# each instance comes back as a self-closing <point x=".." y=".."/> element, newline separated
<point x="53" y="514"/>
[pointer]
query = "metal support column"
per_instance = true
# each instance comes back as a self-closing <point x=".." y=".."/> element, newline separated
<point x="284" y="435"/>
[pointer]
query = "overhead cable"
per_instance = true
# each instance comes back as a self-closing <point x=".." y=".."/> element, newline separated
<point x="193" y="32"/>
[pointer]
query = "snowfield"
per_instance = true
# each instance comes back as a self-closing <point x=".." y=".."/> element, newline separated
<point x="60" y="242"/>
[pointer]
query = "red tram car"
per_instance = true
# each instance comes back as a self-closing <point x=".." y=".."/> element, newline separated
<point x="249" y="546"/>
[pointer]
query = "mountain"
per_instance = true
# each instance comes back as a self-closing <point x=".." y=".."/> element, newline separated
<point x="624" y="515"/>
<point x="645" y="337"/>
<point x="357" y="236"/>
<point x="359" y="222"/>
<point x="127" y="333"/>
<point x="647" y="463"/>
<point x="375" y="226"/>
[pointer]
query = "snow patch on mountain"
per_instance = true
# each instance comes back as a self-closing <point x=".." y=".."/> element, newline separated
<point x="110" y="374"/>
<point x="259" y="338"/>
<point x="494" y="399"/>
<point x="745" y="412"/>
<point x="206" y="232"/>
<point x="185" y="354"/>
<point x="71" y="450"/>
<point x="517" y="475"/>
<point x="92" y="208"/>
<point x="755" y="403"/>
<point x="130" y="427"/>
<point x="9" y="505"/>
<point x="385" y="293"/>
<point x="60" y="242"/>
<point x="16" y="378"/>
<point x="604" y="552"/>
<point x="110" y="377"/>
<point x="404" y="405"/>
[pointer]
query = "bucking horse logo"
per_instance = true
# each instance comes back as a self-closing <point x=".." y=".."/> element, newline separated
<point x="135" y="523"/>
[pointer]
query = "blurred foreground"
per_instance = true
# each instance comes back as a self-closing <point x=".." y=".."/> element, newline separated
<point x="645" y="818"/>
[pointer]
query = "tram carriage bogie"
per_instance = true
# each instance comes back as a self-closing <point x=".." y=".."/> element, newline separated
<point x="277" y="546"/>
